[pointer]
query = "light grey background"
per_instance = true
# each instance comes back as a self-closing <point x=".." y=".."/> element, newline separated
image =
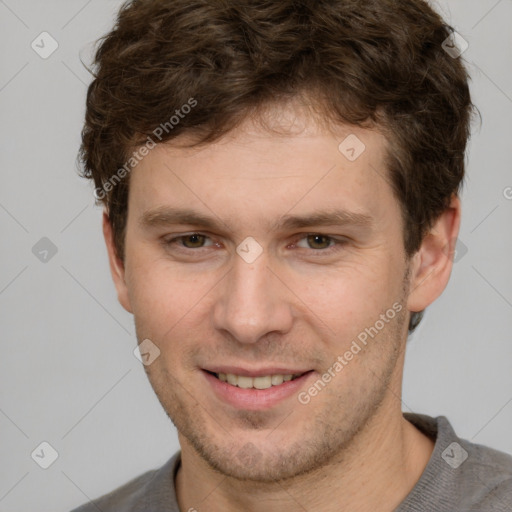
<point x="67" y="372"/>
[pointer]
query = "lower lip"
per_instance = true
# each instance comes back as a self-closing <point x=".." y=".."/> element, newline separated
<point x="255" y="399"/>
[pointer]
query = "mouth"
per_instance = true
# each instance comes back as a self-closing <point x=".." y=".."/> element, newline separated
<point x="258" y="390"/>
<point x="260" y="382"/>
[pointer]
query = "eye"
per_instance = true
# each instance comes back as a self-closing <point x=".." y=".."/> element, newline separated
<point x="316" y="243"/>
<point x="190" y="241"/>
<point x="321" y="243"/>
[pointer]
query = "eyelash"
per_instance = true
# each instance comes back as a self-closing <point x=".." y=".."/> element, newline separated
<point x="338" y="243"/>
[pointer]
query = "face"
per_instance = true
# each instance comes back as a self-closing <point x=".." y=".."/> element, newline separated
<point x="269" y="282"/>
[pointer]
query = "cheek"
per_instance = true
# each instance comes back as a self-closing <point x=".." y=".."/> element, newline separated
<point x="347" y="299"/>
<point x="152" y="291"/>
<point x="164" y="298"/>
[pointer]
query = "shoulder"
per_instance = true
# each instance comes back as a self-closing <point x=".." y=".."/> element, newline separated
<point x="128" y="497"/>
<point x="486" y="476"/>
<point x="135" y="495"/>
<point x="460" y="475"/>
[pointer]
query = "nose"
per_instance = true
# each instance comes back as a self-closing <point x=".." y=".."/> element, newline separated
<point x="252" y="302"/>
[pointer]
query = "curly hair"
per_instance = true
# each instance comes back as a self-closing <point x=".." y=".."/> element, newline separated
<point x="360" y="62"/>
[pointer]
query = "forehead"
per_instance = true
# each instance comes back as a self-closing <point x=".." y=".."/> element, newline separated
<point x="289" y="164"/>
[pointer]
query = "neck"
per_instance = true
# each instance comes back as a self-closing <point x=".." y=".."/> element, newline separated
<point x="375" y="472"/>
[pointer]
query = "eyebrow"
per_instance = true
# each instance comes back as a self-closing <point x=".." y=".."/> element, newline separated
<point x="165" y="216"/>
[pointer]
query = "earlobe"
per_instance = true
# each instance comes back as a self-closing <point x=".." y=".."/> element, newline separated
<point x="116" y="264"/>
<point x="433" y="263"/>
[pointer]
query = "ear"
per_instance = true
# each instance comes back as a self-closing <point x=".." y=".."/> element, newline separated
<point x="432" y="264"/>
<point x="116" y="264"/>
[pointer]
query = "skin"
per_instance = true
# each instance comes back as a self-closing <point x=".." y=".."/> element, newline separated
<point x="296" y="305"/>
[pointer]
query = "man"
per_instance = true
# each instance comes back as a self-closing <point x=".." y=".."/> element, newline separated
<point x="280" y="181"/>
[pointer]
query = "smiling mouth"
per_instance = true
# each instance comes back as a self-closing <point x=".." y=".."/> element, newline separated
<point x="263" y="382"/>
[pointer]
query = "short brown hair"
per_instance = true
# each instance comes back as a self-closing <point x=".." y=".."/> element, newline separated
<point x="361" y="62"/>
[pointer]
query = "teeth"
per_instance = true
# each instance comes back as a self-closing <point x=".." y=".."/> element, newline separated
<point x="265" y="382"/>
<point x="244" y="382"/>
<point x="277" y="379"/>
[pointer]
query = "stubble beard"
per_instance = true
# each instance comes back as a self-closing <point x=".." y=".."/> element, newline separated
<point x="328" y="439"/>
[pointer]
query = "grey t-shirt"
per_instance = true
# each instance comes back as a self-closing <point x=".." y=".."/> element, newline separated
<point x="459" y="477"/>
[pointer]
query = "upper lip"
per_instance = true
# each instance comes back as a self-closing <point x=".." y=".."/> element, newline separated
<point x="259" y="372"/>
